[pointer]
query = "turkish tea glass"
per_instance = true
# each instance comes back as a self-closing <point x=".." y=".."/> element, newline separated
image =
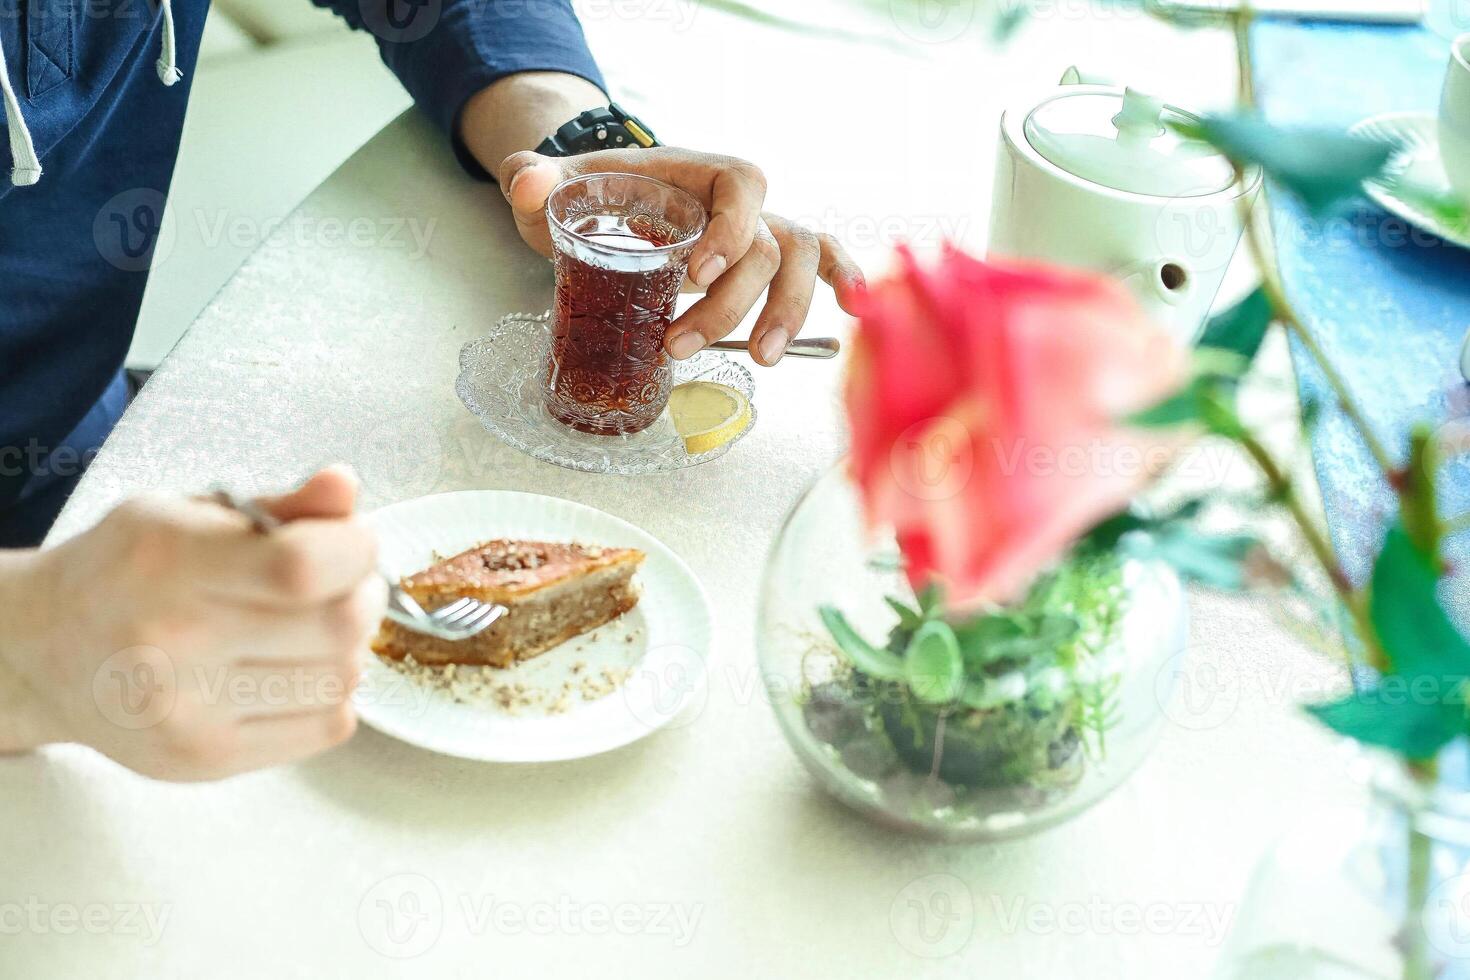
<point x="622" y="246"/>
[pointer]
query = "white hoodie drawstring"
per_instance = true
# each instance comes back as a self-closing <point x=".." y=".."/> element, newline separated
<point x="26" y="169"/>
<point x="168" y="62"/>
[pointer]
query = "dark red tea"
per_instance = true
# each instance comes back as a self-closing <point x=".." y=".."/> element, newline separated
<point x="607" y="373"/>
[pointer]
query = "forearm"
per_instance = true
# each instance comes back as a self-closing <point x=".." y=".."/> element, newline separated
<point x="518" y="112"/>
<point x="524" y="65"/>
<point x="23" y="724"/>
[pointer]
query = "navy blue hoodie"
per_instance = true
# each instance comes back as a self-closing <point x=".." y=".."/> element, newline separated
<point x="88" y="80"/>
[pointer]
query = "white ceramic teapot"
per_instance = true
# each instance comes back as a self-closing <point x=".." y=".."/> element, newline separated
<point x="1093" y="177"/>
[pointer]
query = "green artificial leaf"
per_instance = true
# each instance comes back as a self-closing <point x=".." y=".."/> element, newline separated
<point x="1321" y="167"/>
<point x="1020" y="648"/>
<point x="908" y="618"/>
<point x="1106" y="534"/>
<point x="1009" y="20"/>
<point x="1215" y="560"/>
<point x="1213" y="380"/>
<point x="989" y="640"/>
<point x="1208" y="400"/>
<point x="1419" y="705"/>
<point x="987" y="627"/>
<point x="1416" y="729"/>
<point x="983" y="639"/>
<point x="1035" y="648"/>
<point x="1217" y="409"/>
<point x="1218" y="362"/>
<point x="876" y="663"/>
<point x="1412" y="624"/>
<point x="1241" y="328"/>
<point x="1179" y="408"/>
<point x="931" y="599"/>
<point x="932" y="664"/>
<point x="1054" y="629"/>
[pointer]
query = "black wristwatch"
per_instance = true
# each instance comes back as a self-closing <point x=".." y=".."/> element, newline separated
<point x="598" y="129"/>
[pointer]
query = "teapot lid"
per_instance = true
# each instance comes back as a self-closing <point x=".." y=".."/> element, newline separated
<point x="1124" y="143"/>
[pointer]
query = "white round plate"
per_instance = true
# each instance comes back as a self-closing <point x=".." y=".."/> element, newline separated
<point x="500" y="379"/>
<point x="662" y="643"/>
<point x="1415" y="162"/>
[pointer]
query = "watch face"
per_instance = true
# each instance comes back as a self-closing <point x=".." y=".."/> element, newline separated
<point x="598" y="129"/>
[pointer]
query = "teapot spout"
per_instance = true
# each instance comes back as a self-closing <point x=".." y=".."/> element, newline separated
<point x="1161" y="286"/>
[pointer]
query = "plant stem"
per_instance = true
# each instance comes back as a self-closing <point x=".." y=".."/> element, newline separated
<point x="1416" y="952"/>
<point x="1282" y="308"/>
<point x="1417" y="964"/>
<point x="1457" y="525"/>
<point x="1271" y="283"/>
<point x="1246" y="83"/>
<point x="1353" y="599"/>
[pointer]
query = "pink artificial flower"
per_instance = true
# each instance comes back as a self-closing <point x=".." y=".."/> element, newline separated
<point x="985" y="403"/>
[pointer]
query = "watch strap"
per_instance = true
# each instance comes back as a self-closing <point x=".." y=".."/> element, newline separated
<point x="608" y="128"/>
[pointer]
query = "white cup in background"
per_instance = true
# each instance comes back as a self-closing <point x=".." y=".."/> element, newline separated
<point x="1454" y="117"/>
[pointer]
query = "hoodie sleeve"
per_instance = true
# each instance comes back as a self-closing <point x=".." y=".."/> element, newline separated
<point x="444" y="51"/>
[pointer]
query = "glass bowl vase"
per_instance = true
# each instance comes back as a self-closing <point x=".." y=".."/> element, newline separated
<point x="1064" y="693"/>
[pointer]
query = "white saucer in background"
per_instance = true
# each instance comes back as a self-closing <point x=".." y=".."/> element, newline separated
<point x="1415" y="162"/>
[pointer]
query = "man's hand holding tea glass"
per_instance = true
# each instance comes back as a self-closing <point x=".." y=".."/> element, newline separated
<point x="744" y="252"/>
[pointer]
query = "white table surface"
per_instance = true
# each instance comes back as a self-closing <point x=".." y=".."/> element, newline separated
<point x="707" y="842"/>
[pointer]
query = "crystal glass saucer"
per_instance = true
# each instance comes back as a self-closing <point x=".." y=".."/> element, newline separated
<point x="500" y="383"/>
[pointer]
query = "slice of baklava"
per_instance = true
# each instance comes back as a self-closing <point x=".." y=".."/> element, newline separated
<point x="554" y="592"/>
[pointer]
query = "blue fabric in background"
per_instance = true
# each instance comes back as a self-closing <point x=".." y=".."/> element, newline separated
<point x="1390" y="305"/>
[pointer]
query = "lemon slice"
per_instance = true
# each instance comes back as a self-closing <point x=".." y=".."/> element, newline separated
<point x="708" y="415"/>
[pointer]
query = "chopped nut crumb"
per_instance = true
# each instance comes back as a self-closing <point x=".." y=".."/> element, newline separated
<point x="486" y="686"/>
<point x="610" y="680"/>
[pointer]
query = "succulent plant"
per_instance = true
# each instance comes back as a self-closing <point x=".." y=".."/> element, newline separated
<point x="999" y="698"/>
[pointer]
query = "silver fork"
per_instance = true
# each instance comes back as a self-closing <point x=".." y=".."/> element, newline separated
<point x="460" y="620"/>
